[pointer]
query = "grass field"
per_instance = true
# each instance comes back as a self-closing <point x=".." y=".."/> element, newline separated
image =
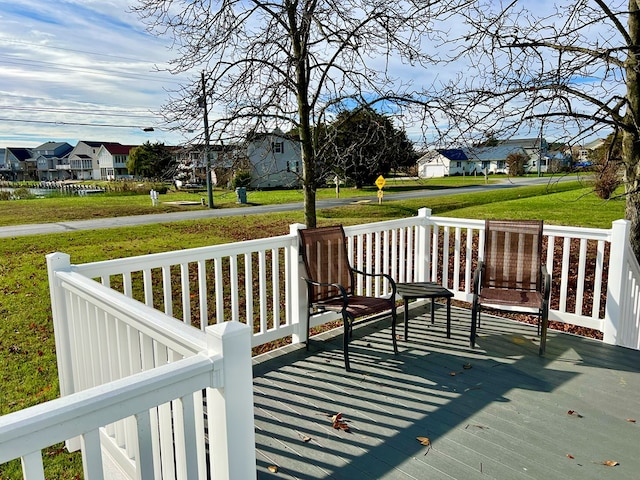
<point x="27" y="349"/>
<point x="68" y="208"/>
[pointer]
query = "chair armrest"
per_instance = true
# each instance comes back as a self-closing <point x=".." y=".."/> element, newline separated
<point x="476" y="277"/>
<point x="546" y="283"/>
<point x="392" y="282"/>
<point x="340" y="288"/>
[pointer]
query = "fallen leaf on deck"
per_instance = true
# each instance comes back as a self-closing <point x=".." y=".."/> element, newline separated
<point x="631" y="420"/>
<point x="518" y="340"/>
<point x="574" y="413"/>
<point x="273" y="468"/>
<point x="306" y="439"/>
<point x="453" y="374"/>
<point x="336" y="417"/>
<point x="610" y="463"/>
<point x="424" y="441"/>
<point x="466" y="366"/>
<point x="570" y="456"/>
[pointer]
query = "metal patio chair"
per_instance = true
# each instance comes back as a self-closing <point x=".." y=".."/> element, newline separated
<point x="511" y="273"/>
<point x="331" y="283"/>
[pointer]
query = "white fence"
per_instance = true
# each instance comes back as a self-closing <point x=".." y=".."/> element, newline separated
<point x="117" y="319"/>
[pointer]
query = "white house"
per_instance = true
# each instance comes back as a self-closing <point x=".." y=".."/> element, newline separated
<point x="442" y="163"/>
<point x="112" y="161"/>
<point x="275" y="159"/>
<point x="491" y="159"/>
<point x="535" y="148"/>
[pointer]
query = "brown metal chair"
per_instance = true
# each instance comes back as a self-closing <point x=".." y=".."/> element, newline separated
<point x="512" y="273"/>
<point x="331" y="283"/>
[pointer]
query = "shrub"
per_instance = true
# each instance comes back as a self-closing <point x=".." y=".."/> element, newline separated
<point x="4" y="195"/>
<point x="516" y="163"/>
<point x="241" y="179"/>
<point x="23" y="193"/>
<point x="607" y="179"/>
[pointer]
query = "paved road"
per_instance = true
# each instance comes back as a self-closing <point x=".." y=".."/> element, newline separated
<point x="72" y="226"/>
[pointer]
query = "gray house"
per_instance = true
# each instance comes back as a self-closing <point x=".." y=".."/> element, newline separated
<point x="19" y="165"/>
<point x="52" y="161"/>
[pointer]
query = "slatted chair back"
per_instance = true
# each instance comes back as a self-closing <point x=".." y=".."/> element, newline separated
<point x="512" y="273"/>
<point x="326" y="260"/>
<point x="512" y="255"/>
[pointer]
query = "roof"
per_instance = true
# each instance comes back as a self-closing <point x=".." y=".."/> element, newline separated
<point x="453" y="153"/>
<point x="533" y="142"/>
<point x="486" y="154"/>
<point x="20" y="153"/>
<point x="117" y="149"/>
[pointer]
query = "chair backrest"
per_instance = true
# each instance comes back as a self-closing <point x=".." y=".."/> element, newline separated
<point x="324" y="252"/>
<point x="512" y="254"/>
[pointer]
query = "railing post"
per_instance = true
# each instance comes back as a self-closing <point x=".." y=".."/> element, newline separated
<point x="230" y="409"/>
<point x="615" y="286"/>
<point x="297" y="293"/>
<point x="423" y="258"/>
<point x="61" y="262"/>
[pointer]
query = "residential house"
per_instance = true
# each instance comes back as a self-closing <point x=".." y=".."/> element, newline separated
<point x="112" y="160"/>
<point x="17" y="162"/>
<point x="535" y="148"/>
<point x="4" y="169"/>
<point x="442" y="163"/>
<point x="275" y="160"/>
<point x="52" y="161"/>
<point x="491" y="159"/>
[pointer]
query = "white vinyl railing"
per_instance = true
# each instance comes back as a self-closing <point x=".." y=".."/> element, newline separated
<point x="116" y="320"/>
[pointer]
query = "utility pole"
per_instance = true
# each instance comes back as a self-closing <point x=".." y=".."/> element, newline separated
<point x="203" y="104"/>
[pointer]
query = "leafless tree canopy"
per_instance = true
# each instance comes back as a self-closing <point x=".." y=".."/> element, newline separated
<point x="573" y="67"/>
<point x="295" y="63"/>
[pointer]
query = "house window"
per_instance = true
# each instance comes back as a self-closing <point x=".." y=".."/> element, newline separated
<point x="277" y="147"/>
<point x="501" y="164"/>
<point x="486" y="165"/>
<point x="458" y="164"/>
<point x="293" y="166"/>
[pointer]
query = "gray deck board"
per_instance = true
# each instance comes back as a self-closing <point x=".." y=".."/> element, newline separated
<point x="506" y="417"/>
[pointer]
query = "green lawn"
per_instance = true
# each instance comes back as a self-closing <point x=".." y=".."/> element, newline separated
<point x="27" y="348"/>
<point x="68" y="208"/>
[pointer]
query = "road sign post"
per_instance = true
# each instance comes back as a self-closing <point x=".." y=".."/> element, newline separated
<point x="380" y="183"/>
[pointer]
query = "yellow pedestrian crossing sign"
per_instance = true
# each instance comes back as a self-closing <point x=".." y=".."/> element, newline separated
<point x="380" y="182"/>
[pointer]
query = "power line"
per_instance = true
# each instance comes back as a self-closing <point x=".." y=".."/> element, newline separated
<point x="103" y="113"/>
<point x="79" y="124"/>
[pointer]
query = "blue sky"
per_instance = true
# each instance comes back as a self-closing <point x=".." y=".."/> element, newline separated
<point x="75" y="70"/>
<point x="79" y="70"/>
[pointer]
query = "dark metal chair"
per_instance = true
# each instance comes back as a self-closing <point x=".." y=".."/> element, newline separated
<point x="331" y="283"/>
<point x="512" y="273"/>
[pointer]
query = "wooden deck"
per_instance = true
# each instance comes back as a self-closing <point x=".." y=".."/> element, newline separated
<point x="506" y="417"/>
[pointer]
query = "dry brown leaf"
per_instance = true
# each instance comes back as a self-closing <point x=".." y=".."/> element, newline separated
<point x="337" y="417"/>
<point x="466" y="366"/>
<point x="273" y="468"/>
<point x="632" y="420"/>
<point x="570" y="456"/>
<point x="574" y="413"/>
<point x="306" y="439"/>
<point x="453" y="374"/>
<point x="610" y="463"/>
<point x="424" y="441"/>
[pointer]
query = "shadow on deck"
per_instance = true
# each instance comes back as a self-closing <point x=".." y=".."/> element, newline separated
<point x="506" y="417"/>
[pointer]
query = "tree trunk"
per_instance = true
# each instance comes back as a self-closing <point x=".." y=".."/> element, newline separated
<point x="631" y="134"/>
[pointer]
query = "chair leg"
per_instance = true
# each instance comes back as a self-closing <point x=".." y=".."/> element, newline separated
<point x="308" y="329"/>
<point x="394" y="320"/>
<point x="543" y="330"/>
<point x="348" y="329"/>
<point x="475" y="318"/>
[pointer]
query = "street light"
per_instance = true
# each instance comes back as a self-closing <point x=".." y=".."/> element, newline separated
<point x="203" y="104"/>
